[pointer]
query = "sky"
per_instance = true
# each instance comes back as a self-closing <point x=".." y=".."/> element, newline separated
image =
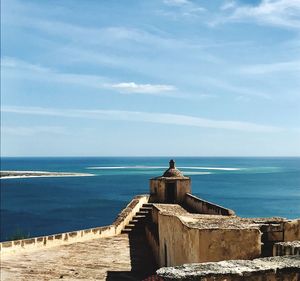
<point x="150" y="78"/>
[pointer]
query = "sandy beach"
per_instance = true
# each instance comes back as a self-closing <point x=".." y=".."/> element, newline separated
<point x="34" y="174"/>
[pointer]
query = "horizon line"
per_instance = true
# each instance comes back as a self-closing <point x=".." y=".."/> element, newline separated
<point x="153" y="156"/>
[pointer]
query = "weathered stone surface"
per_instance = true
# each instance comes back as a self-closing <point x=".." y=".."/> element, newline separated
<point x="200" y="238"/>
<point x="286" y="248"/>
<point x="232" y="268"/>
<point x="113" y="258"/>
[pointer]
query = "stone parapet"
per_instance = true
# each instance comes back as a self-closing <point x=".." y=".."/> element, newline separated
<point x="286" y="268"/>
<point x="200" y="206"/>
<point x="35" y="243"/>
<point x="286" y="248"/>
<point x="129" y="212"/>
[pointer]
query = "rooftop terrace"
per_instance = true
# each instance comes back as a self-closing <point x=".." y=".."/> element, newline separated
<point x="114" y="258"/>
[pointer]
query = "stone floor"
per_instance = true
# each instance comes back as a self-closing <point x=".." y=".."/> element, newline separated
<point x="120" y="257"/>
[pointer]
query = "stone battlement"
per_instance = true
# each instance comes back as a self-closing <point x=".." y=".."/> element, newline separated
<point x="38" y="243"/>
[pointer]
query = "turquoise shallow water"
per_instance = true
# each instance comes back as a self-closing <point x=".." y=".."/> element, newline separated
<point x="253" y="187"/>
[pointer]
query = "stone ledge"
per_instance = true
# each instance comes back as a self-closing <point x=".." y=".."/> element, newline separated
<point x="286" y="248"/>
<point x="232" y="269"/>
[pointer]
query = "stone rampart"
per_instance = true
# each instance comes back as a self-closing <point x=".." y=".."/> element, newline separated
<point x="181" y="243"/>
<point x="200" y="206"/>
<point x="35" y="243"/>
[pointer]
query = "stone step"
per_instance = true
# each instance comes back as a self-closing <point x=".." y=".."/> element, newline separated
<point x="145" y="208"/>
<point x="132" y="231"/>
<point x="134" y="226"/>
<point x="142" y="213"/>
<point x="137" y="222"/>
<point x="142" y="220"/>
<point x="139" y="217"/>
<point x="147" y="205"/>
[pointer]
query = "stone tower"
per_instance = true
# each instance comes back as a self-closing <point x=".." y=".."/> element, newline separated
<point x="171" y="187"/>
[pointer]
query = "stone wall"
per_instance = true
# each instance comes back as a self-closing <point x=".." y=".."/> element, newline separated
<point x="286" y="248"/>
<point x="179" y="244"/>
<point x="291" y="230"/>
<point x="36" y="243"/>
<point x="277" y="230"/>
<point x="200" y="206"/>
<point x="152" y="239"/>
<point x="158" y="189"/>
<point x="272" y="269"/>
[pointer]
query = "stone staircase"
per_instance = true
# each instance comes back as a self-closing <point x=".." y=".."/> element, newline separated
<point x="138" y="222"/>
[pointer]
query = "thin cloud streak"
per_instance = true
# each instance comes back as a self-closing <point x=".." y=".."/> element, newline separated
<point x="176" y="2"/>
<point x="289" y="66"/>
<point x="30" y="71"/>
<point x="32" y="130"/>
<point x="131" y="87"/>
<point x="147" y="117"/>
<point x="281" y="13"/>
<point x="38" y="72"/>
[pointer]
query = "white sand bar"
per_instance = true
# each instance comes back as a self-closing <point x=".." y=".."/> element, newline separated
<point x="33" y="174"/>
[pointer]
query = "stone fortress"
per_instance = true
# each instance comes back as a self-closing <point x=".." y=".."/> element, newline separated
<point x="166" y="235"/>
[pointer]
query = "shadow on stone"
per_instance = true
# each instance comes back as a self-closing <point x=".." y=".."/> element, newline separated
<point x="142" y="261"/>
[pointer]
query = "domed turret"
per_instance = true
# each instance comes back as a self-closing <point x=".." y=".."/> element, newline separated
<point x="172" y="172"/>
<point x="171" y="187"/>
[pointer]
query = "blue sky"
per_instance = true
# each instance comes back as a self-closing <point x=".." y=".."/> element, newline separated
<point x="150" y="78"/>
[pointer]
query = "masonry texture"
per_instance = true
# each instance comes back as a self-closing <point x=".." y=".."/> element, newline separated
<point x="270" y="269"/>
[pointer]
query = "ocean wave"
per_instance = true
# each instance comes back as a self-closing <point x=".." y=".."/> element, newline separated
<point x="161" y="167"/>
<point x="125" y="167"/>
<point x="196" y="173"/>
<point x="212" y="168"/>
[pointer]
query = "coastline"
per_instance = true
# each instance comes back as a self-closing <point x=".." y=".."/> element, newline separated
<point x="36" y="174"/>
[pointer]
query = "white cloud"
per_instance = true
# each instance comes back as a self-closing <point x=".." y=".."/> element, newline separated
<point x="131" y="87"/>
<point x="138" y="116"/>
<point x="284" y="13"/>
<point x="289" y="66"/>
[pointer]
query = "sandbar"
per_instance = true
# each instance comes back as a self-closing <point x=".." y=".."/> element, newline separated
<point x="34" y="174"/>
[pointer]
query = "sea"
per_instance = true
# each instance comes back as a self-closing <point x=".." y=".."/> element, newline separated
<point x="252" y="187"/>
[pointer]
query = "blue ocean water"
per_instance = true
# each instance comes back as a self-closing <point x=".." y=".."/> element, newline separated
<point x="253" y="187"/>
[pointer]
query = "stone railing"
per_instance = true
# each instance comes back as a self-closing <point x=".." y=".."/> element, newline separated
<point x="200" y="206"/>
<point x="129" y="212"/>
<point x="115" y="228"/>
